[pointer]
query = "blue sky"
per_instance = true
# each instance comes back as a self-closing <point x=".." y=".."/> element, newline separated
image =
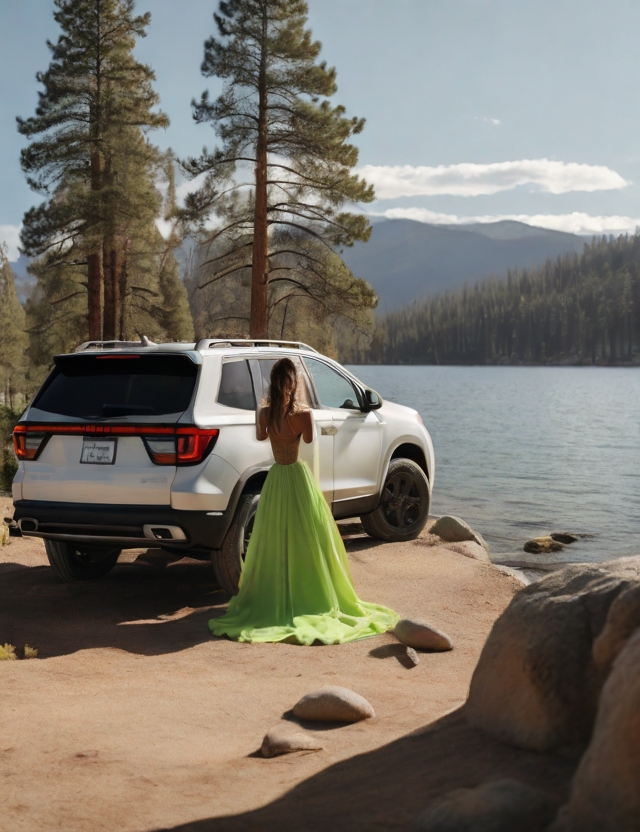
<point x="476" y="109"/>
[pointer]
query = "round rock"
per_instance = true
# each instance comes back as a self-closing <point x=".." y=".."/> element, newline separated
<point x="420" y="634"/>
<point x="564" y="537"/>
<point x="333" y="704"/>
<point x="454" y="530"/>
<point x="542" y="545"/>
<point x="282" y="740"/>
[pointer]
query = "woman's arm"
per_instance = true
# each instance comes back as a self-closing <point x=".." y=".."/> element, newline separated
<point x="261" y="423"/>
<point x="307" y="426"/>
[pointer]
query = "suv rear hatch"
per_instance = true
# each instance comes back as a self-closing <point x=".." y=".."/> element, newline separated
<point x="104" y="429"/>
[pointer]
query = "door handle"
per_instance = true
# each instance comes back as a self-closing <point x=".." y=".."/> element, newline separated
<point x="331" y="430"/>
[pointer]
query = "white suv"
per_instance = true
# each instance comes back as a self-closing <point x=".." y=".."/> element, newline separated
<point x="132" y="444"/>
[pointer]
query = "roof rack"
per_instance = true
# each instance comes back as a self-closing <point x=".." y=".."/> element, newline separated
<point x="212" y="343"/>
<point x="115" y="345"/>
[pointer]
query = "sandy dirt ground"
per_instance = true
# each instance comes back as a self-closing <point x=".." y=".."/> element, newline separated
<point x="134" y="718"/>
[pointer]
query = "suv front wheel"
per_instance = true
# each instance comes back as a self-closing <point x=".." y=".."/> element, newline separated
<point x="71" y="563"/>
<point x="403" y="509"/>
<point x="227" y="561"/>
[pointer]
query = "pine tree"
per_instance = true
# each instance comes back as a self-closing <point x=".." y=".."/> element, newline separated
<point x="279" y="180"/>
<point x="13" y="339"/>
<point x="92" y="161"/>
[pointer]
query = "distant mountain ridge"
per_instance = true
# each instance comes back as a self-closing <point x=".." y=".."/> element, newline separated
<point x="406" y="260"/>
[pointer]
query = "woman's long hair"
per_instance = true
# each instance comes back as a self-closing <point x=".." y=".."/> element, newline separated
<point x="282" y="401"/>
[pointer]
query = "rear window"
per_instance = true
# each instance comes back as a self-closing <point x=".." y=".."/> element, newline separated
<point x="103" y="386"/>
<point x="236" y="388"/>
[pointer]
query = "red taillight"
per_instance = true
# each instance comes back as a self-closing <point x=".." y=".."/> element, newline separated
<point x="188" y="447"/>
<point x="27" y="443"/>
<point x="165" y="445"/>
<point x="193" y="444"/>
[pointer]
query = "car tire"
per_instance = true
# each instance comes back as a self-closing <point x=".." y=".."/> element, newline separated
<point x="403" y="509"/>
<point x="228" y="559"/>
<point x="71" y="563"/>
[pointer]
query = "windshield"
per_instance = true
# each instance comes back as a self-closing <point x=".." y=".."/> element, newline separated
<point x="109" y="386"/>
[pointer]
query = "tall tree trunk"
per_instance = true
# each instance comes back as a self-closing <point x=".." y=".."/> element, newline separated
<point x="111" y="289"/>
<point x="94" y="264"/>
<point x="123" y="279"/>
<point x="259" y="268"/>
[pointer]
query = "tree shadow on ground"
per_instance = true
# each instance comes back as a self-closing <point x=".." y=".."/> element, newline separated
<point x="157" y="604"/>
<point x="386" y="789"/>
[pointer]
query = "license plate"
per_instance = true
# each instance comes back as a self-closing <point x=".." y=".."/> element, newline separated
<point x="98" y="451"/>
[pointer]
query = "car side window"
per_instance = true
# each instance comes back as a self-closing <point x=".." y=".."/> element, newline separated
<point x="333" y="389"/>
<point x="236" y="387"/>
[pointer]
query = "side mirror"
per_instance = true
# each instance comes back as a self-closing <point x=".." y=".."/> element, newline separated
<point x="372" y="400"/>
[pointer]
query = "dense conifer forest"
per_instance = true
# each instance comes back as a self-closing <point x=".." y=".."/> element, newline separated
<point x="580" y="309"/>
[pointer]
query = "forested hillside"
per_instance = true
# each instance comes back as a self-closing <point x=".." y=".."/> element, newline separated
<point x="580" y="309"/>
<point x="407" y="260"/>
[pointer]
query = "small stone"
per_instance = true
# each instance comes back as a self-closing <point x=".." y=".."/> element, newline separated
<point x="564" y="537"/>
<point x="282" y="740"/>
<point x="454" y="530"/>
<point x="412" y="656"/>
<point x="419" y="634"/>
<point x="542" y="545"/>
<point x="333" y="704"/>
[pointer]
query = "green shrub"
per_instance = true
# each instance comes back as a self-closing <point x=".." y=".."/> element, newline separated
<point x="8" y="462"/>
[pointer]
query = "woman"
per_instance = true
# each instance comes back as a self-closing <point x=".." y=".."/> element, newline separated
<point x="296" y="584"/>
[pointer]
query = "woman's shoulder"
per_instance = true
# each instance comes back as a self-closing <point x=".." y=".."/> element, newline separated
<point x="301" y="415"/>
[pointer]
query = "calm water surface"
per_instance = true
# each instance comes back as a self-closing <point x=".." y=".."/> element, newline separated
<point x="524" y="451"/>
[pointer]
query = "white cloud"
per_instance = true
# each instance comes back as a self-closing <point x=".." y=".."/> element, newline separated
<point x="488" y="120"/>
<point x="470" y="179"/>
<point x="188" y="187"/>
<point x="575" y="223"/>
<point x="165" y="227"/>
<point x="10" y="234"/>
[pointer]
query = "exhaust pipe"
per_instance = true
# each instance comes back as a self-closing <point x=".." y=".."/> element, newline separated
<point x="27" y="525"/>
<point x="157" y="532"/>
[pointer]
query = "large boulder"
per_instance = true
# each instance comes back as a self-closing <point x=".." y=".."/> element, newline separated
<point x="539" y="676"/>
<point x="499" y="806"/>
<point x="454" y="530"/>
<point x="605" y="795"/>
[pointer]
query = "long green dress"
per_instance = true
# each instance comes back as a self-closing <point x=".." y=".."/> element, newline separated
<point x="296" y="584"/>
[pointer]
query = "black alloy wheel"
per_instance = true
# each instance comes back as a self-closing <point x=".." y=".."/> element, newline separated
<point x="78" y="562"/>
<point x="403" y="509"/>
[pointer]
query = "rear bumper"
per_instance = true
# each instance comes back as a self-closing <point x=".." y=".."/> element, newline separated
<point x="121" y="525"/>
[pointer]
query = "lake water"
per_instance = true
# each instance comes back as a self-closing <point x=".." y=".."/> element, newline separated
<point x="524" y="451"/>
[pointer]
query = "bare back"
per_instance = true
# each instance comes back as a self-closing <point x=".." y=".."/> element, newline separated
<point x="285" y="442"/>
